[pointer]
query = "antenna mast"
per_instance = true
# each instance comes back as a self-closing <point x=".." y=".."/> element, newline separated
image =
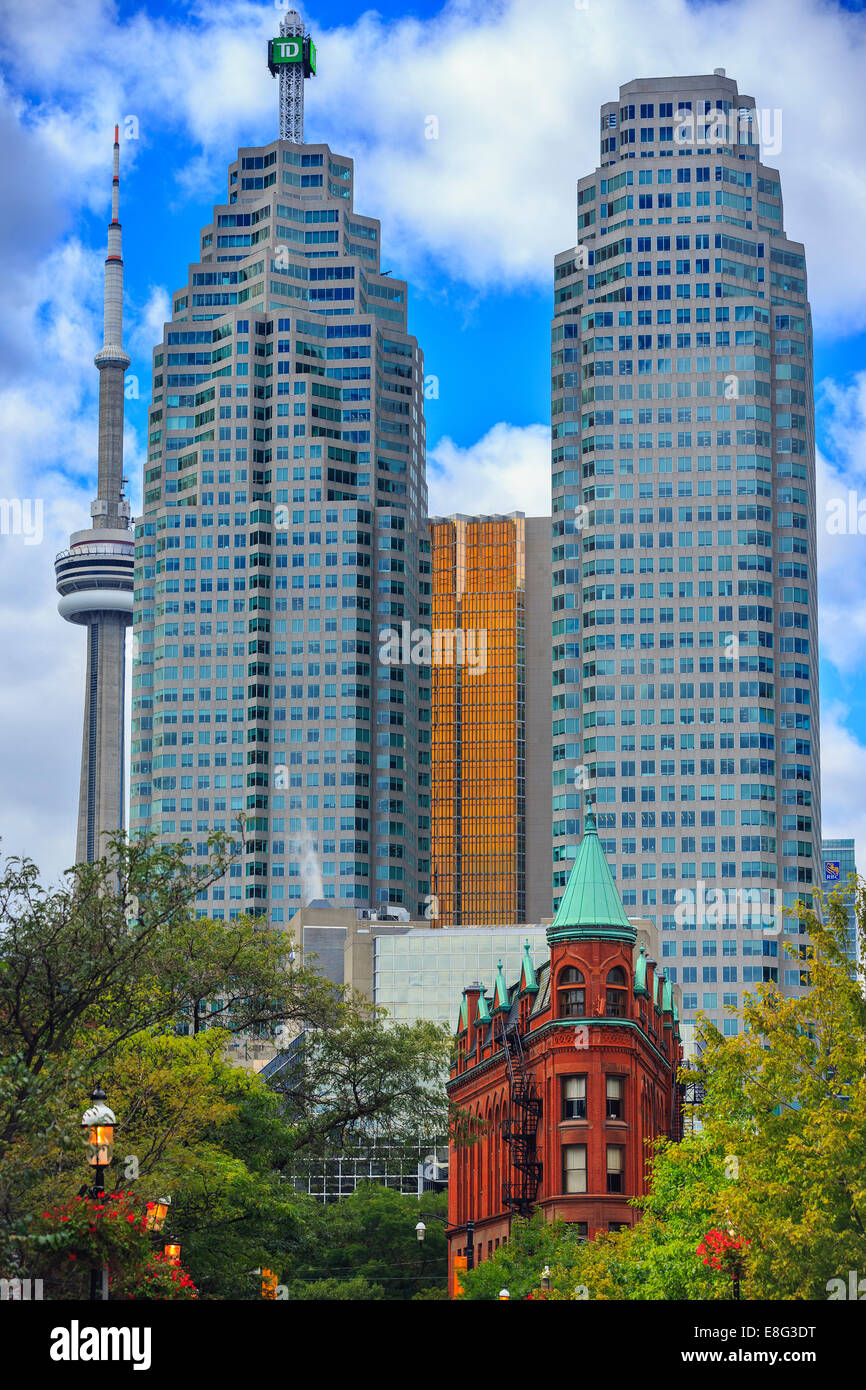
<point x="292" y="59"/>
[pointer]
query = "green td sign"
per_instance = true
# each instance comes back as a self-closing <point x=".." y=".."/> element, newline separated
<point x="284" y="51"/>
<point x="288" y="50"/>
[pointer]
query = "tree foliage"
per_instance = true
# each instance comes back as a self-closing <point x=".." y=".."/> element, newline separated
<point x="370" y="1234"/>
<point x="98" y="978"/>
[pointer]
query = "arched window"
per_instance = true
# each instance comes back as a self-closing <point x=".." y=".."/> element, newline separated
<point x="616" y="993"/>
<point x="571" y="992"/>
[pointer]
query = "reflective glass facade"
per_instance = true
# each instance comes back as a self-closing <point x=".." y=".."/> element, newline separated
<point x="422" y="973"/>
<point x="684" y="557"/>
<point x="478" y="721"/>
<point x="491" y="719"/>
<point x="837" y="865"/>
<point x="283" y="526"/>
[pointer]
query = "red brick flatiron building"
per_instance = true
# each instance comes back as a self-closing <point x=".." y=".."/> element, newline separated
<point x="570" y="1074"/>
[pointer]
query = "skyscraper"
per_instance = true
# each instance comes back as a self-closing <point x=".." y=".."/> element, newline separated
<point x="684" y="587"/>
<point x="283" y="527"/>
<point x="490" y="719"/>
<point x="838" y="864"/>
<point x="95" y="577"/>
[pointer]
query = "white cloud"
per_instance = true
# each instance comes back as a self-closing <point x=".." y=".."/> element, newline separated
<point x="843" y="776"/>
<point x="493" y="197"/>
<point x="841" y="489"/>
<point x="507" y="470"/>
<point x="146" y="329"/>
<point x="48" y="426"/>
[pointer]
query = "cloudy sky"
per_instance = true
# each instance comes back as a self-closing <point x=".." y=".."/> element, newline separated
<point x="472" y="218"/>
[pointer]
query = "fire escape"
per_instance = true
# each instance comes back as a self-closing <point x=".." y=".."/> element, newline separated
<point x="686" y="1093"/>
<point x="520" y="1189"/>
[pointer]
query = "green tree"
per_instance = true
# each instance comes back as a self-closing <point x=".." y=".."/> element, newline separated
<point x="371" y="1234"/>
<point x="517" y="1265"/>
<point x="354" y="1289"/>
<point x="786" y="1099"/>
<point x="363" y="1082"/>
<point x="94" y="978"/>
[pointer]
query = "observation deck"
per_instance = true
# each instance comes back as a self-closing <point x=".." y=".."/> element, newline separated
<point x="96" y="575"/>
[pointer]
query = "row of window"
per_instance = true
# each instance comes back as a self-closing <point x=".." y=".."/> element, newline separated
<point x="574" y="1168"/>
<point x="571" y="993"/>
<point x="574" y="1098"/>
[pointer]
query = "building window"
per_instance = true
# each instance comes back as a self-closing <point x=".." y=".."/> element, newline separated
<point x="616" y="993"/>
<point x="617" y="1225"/>
<point x="615" y="1164"/>
<point x="614" y="1091"/>
<point x="572" y="993"/>
<point x="574" y="1097"/>
<point x="574" y="1168"/>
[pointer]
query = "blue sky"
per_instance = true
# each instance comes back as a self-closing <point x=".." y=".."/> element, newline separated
<point x="472" y="219"/>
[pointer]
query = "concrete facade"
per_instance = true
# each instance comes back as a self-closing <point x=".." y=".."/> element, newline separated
<point x="95" y="579"/>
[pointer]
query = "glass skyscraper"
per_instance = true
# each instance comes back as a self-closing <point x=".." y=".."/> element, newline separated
<point x="685" y="685"/>
<point x="837" y="865"/>
<point x="283" y="526"/>
<point x="491" y="719"/>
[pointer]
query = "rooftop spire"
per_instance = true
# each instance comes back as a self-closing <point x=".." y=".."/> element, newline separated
<point x="112" y="311"/>
<point x="591" y="905"/>
<point x="110" y="508"/>
<point x="292" y="58"/>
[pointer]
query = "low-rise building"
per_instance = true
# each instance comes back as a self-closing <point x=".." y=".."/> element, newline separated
<point x="567" y="1075"/>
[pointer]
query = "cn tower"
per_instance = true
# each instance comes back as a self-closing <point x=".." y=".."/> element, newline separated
<point x="95" y="577"/>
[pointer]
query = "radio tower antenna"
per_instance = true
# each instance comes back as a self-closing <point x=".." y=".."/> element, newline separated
<point x="292" y="59"/>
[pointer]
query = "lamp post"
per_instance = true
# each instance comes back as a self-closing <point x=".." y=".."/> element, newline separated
<point x="545" y="1279"/>
<point x="157" y="1211"/>
<point x="98" y="1122"/>
<point x="469" y="1249"/>
<point x="172" y="1252"/>
<point x="503" y="1295"/>
<point x="421" y="1231"/>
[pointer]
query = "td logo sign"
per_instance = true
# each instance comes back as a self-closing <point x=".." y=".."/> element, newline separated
<point x="288" y="50"/>
<point x="298" y="49"/>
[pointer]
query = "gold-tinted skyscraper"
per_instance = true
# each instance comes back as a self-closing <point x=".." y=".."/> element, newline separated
<point x="491" y="719"/>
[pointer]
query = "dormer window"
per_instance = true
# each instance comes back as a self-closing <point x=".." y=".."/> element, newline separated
<point x="615" y="1000"/>
<point x="571" y="991"/>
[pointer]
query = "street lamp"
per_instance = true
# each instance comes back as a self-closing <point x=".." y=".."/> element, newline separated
<point x="545" y="1279"/>
<point x="156" y="1213"/>
<point x="469" y="1249"/>
<point x="503" y="1294"/>
<point x="172" y="1252"/>
<point x="98" y="1123"/>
